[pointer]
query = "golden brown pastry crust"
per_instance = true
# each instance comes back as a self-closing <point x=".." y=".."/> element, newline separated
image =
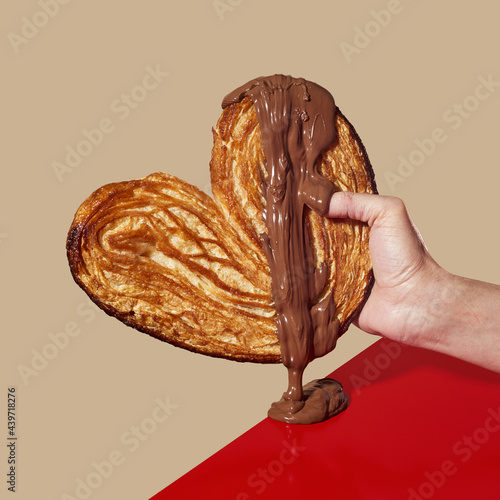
<point x="167" y="259"/>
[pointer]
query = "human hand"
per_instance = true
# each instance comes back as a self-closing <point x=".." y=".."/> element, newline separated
<point x="413" y="299"/>
<point x="406" y="276"/>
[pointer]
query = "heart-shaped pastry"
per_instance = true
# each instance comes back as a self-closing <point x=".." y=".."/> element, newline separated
<point x="163" y="257"/>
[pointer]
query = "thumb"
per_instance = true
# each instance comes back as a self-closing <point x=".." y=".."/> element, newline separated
<point x="365" y="207"/>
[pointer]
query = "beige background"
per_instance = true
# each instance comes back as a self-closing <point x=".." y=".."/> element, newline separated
<point x="69" y="74"/>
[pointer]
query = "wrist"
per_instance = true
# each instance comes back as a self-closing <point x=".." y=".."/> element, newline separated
<point x="430" y="321"/>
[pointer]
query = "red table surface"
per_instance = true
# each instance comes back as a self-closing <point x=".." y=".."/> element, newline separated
<point x="420" y="425"/>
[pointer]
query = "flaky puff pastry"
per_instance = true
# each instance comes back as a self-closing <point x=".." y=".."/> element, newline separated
<point x="167" y="259"/>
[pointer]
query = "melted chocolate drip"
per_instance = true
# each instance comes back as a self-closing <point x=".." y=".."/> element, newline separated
<point x="297" y="123"/>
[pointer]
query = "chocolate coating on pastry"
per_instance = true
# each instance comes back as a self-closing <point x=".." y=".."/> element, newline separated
<point x="297" y="123"/>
